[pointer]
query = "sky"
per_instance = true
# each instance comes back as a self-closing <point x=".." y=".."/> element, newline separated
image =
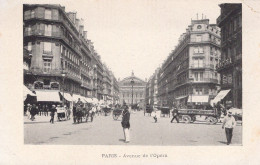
<point x="138" y="35"/>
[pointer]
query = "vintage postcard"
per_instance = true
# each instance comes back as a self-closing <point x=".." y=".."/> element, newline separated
<point x="161" y="82"/>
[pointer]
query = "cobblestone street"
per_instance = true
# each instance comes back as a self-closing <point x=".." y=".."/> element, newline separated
<point x="106" y="131"/>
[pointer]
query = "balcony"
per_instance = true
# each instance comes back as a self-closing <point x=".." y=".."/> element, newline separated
<point x="200" y="66"/>
<point x="207" y="80"/>
<point x="224" y="64"/>
<point x="194" y="40"/>
<point x="51" y="34"/>
<point x="86" y="85"/>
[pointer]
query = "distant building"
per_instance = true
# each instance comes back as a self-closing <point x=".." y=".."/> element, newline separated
<point x="230" y="65"/>
<point x="151" y="96"/>
<point x="107" y="84"/>
<point x="126" y="93"/>
<point x="188" y="75"/>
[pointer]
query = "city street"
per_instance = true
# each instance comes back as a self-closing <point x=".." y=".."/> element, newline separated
<point x="106" y="131"/>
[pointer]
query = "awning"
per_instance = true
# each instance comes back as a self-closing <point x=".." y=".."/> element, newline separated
<point x="221" y="95"/>
<point x="89" y="100"/>
<point x="77" y="97"/>
<point x="95" y="100"/>
<point x="199" y="99"/>
<point x="52" y="96"/>
<point x="101" y="102"/>
<point x="26" y="92"/>
<point x="67" y="96"/>
<point x="182" y="97"/>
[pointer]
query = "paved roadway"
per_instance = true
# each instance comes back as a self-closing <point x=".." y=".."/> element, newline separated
<point x="106" y="131"/>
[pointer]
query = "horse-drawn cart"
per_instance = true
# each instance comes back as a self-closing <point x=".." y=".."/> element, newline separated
<point x="106" y="110"/>
<point x="165" y="111"/>
<point x="191" y="115"/>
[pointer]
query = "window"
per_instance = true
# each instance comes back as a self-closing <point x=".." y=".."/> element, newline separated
<point x="46" y="66"/>
<point x="46" y="47"/>
<point x="47" y="14"/>
<point x="48" y="30"/>
<point x="29" y="47"/>
<point x="27" y="14"/>
<point x="32" y="14"/>
<point x="196" y="50"/>
<point x="199" y="91"/>
<point x="201" y="50"/>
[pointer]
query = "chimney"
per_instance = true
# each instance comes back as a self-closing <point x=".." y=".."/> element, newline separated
<point x="72" y="16"/>
<point x="85" y="35"/>
<point x="77" y="24"/>
<point x="81" y="29"/>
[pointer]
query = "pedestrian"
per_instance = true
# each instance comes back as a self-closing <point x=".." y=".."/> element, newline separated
<point x="74" y="113"/>
<point x="156" y="113"/>
<point x="126" y="124"/>
<point x="53" y="110"/>
<point x="229" y="123"/>
<point x="33" y="112"/>
<point x="89" y="113"/>
<point x="93" y="111"/>
<point x="175" y="115"/>
<point x="28" y="113"/>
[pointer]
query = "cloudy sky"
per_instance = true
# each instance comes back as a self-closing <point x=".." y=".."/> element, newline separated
<point x="138" y="35"/>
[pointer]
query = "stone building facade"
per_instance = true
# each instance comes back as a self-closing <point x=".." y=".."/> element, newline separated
<point x="189" y="75"/>
<point x="135" y="90"/>
<point x="58" y="53"/>
<point x="230" y="65"/>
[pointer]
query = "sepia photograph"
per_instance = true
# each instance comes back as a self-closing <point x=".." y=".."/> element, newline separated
<point x="131" y="74"/>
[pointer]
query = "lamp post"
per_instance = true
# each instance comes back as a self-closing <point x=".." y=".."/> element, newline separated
<point x="132" y="82"/>
<point x="63" y="78"/>
<point x="191" y="82"/>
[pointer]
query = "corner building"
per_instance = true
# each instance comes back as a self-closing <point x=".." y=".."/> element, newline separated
<point x="56" y="44"/>
<point x="188" y="75"/>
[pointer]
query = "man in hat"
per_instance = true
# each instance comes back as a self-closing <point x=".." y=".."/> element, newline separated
<point x="229" y="123"/>
<point x="126" y="124"/>
<point x="53" y="110"/>
<point x="175" y="115"/>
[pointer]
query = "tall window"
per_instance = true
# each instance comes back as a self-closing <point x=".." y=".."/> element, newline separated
<point x="46" y="66"/>
<point x="29" y="47"/>
<point x="46" y="47"/>
<point x="48" y="30"/>
<point x="47" y="14"/>
<point x="32" y="14"/>
<point x="201" y="50"/>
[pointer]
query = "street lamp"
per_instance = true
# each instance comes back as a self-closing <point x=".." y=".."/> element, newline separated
<point x="63" y="74"/>
<point x="191" y="82"/>
<point x="132" y="82"/>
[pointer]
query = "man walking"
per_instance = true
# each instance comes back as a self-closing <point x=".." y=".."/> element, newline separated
<point x="229" y="123"/>
<point x="126" y="124"/>
<point x="53" y="110"/>
<point x="175" y="115"/>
